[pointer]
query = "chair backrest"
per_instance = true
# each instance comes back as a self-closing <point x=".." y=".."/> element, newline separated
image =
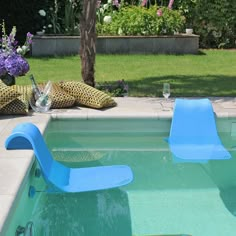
<point x="193" y="118"/>
<point x="28" y="136"/>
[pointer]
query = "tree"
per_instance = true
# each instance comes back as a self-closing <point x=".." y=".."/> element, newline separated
<point x="88" y="41"/>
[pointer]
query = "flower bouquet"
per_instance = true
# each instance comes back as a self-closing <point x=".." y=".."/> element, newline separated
<point x="12" y="62"/>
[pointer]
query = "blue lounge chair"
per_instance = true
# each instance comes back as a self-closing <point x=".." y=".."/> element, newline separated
<point x="193" y="134"/>
<point x="60" y="177"/>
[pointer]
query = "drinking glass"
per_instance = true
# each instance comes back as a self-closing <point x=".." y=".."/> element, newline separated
<point x="166" y="91"/>
<point x="166" y="94"/>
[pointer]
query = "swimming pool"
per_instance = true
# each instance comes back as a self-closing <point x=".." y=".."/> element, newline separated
<point x="165" y="198"/>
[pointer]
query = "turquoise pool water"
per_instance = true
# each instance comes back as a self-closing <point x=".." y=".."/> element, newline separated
<point x="165" y="198"/>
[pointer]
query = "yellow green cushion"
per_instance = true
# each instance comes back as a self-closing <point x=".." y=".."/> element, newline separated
<point x="60" y="98"/>
<point x="7" y="94"/>
<point x="87" y="95"/>
<point x="20" y="105"/>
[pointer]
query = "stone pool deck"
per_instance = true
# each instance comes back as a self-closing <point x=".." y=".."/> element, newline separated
<point x="15" y="165"/>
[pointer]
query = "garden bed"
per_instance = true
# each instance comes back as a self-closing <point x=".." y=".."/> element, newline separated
<point x="69" y="45"/>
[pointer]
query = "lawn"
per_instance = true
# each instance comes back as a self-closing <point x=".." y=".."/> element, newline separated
<point x="210" y="73"/>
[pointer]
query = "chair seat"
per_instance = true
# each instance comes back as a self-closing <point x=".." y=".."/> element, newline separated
<point x="63" y="178"/>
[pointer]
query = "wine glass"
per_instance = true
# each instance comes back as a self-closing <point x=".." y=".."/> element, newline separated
<point x="166" y="90"/>
<point x="166" y="94"/>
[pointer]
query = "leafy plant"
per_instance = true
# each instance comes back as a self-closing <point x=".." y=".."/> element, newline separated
<point x="118" y="88"/>
<point x="71" y="20"/>
<point x="213" y="20"/>
<point x="138" y="20"/>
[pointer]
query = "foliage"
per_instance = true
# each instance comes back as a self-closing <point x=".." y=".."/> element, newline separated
<point x="71" y="19"/>
<point x="214" y="32"/>
<point x="12" y="61"/>
<point x="214" y="21"/>
<point x="138" y="20"/>
<point x="118" y="88"/>
<point x="106" y="9"/>
<point x="62" y="17"/>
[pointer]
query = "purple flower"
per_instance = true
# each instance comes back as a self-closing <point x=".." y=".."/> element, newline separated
<point x="12" y="61"/>
<point x="16" y="65"/>
<point x="29" y="35"/>
<point x="116" y="3"/>
<point x="3" y="70"/>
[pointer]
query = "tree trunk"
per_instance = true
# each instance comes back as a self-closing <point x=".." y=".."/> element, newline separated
<point x="88" y="41"/>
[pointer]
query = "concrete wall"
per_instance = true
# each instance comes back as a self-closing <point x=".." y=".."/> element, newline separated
<point x="69" y="45"/>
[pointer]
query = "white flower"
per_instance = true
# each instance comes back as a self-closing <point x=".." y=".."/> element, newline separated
<point x="105" y="6"/>
<point x="42" y="13"/>
<point x="24" y="48"/>
<point x="49" y="26"/>
<point x="109" y="1"/>
<point x="107" y="19"/>
<point x="101" y="11"/>
<point x="19" y="50"/>
<point x="120" y="31"/>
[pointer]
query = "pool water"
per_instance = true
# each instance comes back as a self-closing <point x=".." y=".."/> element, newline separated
<point x="165" y="198"/>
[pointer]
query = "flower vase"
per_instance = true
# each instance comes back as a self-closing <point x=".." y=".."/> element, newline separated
<point x="8" y="79"/>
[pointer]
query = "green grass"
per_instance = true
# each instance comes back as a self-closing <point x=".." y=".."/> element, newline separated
<point x="211" y="73"/>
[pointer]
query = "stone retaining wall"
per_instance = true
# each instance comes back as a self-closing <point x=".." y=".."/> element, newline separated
<point x="69" y="45"/>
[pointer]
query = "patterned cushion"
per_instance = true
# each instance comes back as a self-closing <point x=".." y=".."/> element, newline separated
<point x="20" y="105"/>
<point x="7" y="94"/>
<point x="60" y="98"/>
<point x="87" y="95"/>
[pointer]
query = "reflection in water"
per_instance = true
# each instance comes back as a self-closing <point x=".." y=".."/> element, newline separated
<point x="28" y="230"/>
<point x="224" y="176"/>
<point x="228" y="196"/>
<point x="100" y="213"/>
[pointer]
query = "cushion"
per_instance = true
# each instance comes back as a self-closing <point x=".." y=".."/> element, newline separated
<point x="7" y="94"/>
<point x="60" y="98"/>
<point x="87" y="95"/>
<point x="20" y="105"/>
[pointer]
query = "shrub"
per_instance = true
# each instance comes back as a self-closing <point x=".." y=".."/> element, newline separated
<point x="213" y="20"/>
<point x="137" y="20"/>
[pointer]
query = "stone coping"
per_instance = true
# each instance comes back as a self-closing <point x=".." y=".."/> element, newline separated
<point x="15" y="164"/>
<point x="45" y="36"/>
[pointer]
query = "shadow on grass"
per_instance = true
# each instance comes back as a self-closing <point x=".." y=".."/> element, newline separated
<point x="184" y="86"/>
